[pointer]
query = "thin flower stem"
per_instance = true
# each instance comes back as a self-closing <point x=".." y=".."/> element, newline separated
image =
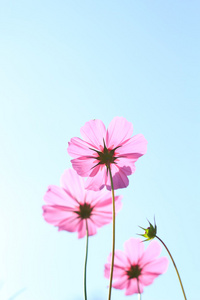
<point x="86" y="257"/>
<point x="113" y="238"/>
<point x="174" y="266"/>
<point x="139" y="293"/>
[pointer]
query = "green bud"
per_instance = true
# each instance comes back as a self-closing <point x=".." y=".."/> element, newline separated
<point x="150" y="232"/>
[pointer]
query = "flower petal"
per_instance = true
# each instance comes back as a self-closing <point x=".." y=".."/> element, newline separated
<point x="147" y="279"/>
<point x="94" y="132"/>
<point x="83" y="165"/>
<point x="156" y="267"/>
<point x="117" y="271"/>
<point x="81" y="229"/>
<point x="104" y="201"/>
<point x="78" y="148"/>
<point x="56" y="195"/>
<point x="103" y="215"/>
<point x="134" y="249"/>
<point x="70" y="224"/>
<point x="133" y="147"/>
<point x="98" y="199"/>
<point x="120" y="259"/>
<point x="101" y="219"/>
<point x="108" y="208"/>
<point x="132" y="287"/>
<point x="120" y="263"/>
<point x="97" y="182"/>
<point x="121" y="282"/>
<point x="118" y="131"/>
<point x="92" y="227"/>
<point x="126" y="165"/>
<point x="55" y="214"/>
<point x="153" y="250"/>
<point x="73" y="185"/>
<point x="120" y="179"/>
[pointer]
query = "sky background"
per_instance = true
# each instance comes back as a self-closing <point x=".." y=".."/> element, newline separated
<point x="63" y="63"/>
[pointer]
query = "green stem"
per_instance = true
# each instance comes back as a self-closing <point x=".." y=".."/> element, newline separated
<point x="174" y="266"/>
<point x="139" y="294"/>
<point x="113" y="238"/>
<point x="86" y="257"/>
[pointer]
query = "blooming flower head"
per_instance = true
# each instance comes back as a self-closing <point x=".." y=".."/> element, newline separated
<point x="135" y="267"/>
<point x="71" y="206"/>
<point x="101" y="149"/>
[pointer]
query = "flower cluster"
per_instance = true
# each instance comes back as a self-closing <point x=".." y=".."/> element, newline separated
<point x="106" y="158"/>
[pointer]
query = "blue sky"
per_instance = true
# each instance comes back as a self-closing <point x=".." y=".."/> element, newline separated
<point x="64" y="63"/>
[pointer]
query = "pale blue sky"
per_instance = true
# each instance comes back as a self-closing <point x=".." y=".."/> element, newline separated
<point x="63" y="63"/>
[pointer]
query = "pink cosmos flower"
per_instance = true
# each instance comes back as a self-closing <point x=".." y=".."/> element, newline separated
<point x="135" y="267"/>
<point x="102" y="148"/>
<point x="70" y="206"/>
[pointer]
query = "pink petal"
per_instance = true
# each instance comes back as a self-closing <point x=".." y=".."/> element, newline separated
<point x="107" y="270"/>
<point x="94" y="132"/>
<point x="56" y="195"/>
<point x="153" y="250"/>
<point x="101" y="219"/>
<point x="121" y="282"/>
<point x="102" y="214"/>
<point x="70" y="224"/>
<point x="134" y="147"/>
<point x="54" y="216"/>
<point x="120" y="179"/>
<point x="77" y="148"/>
<point x="108" y="208"/>
<point x="120" y="263"/>
<point x="83" y="165"/>
<point x="81" y="229"/>
<point x="97" y="182"/>
<point x="105" y="202"/>
<point x="92" y="227"/>
<point x="147" y="279"/>
<point x="134" y="249"/>
<point x="118" y="131"/>
<point x="99" y="198"/>
<point x="120" y="259"/>
<point x="156" y="267"/>
<point x="73" y="185"/>
<point x="126" y="165"/>
<point x="141" y="287"/>
<point x="117" y="271"/>
<point x="132" y="287"/>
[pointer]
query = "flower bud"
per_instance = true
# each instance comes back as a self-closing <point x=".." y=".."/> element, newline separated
<point x="150" y="232"/>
